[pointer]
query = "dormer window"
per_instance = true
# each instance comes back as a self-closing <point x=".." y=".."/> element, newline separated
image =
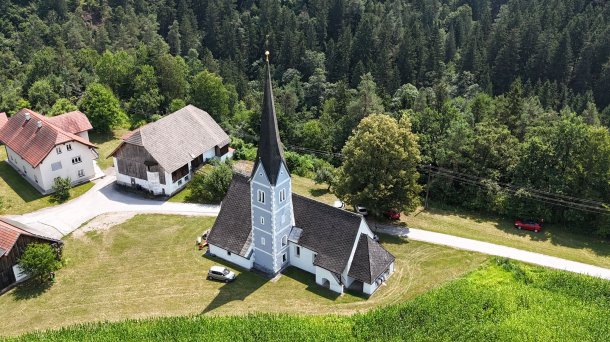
<point x="282" y="195"/>
<point x="260" y="195"/>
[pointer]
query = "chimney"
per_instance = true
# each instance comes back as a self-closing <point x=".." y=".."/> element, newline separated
<point x="27" y="117"/>
<point x="39" y="124"/>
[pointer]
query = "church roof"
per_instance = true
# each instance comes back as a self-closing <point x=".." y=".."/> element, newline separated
<point x="328" y="231"/>
<point x="269" y="152"/>
<point x="370" y="260"/>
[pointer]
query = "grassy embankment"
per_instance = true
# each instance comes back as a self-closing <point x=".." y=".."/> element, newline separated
<point x="19" y="196"/>
<point x="502" y="301"/>
<point x="149" y="266"/>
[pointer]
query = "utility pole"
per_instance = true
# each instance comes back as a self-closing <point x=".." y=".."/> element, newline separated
<point x="428" y="186"/>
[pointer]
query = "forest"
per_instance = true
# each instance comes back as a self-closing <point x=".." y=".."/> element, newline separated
<point x="510" y="99"/>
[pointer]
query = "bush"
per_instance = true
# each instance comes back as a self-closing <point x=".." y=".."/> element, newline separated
<point x="243" y="150"/>
<point x="39" y="260"/>
<point x="210" y="184"/>
<point x="61" y="189"/>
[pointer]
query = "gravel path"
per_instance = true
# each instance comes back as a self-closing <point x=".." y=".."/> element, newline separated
<point x="103" y="198"/>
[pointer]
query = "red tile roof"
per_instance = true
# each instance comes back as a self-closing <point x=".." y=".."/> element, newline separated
<point x="73" y="122"/>
<point x="3" y="119"/>
<point x="32" y="143"/>
<point x="9" y="234"/>
<point x="8" y="237"/>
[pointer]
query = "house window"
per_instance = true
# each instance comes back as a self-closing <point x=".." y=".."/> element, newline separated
<point x="228" y="253"/>
<point x="284" y="257"/>
<point x="262" y="220"/>
<point x="56" y="166"/>
<point x="76" y="160"/>
<point x="284" y="240"/>
<point x="298" y="251"/>
<point x="282" y="195"/>
<point x="262" y="241"/>
<point x="81" y="173"/>
<point x="36" y="179"/>
<point x="260" y="194"/>
<point x="58" y="149"/>
<point x="69" y="147"/>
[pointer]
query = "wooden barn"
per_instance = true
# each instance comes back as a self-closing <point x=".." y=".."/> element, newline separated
<point x="14" y="238"/>
<point x="162" y="156"/>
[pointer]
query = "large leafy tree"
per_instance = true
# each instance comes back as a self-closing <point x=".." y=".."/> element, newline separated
<point x="102" y="108"/>
<point x="41" y="95"/>
<point x="209" y="93"/>
<point x="380" y="167"/>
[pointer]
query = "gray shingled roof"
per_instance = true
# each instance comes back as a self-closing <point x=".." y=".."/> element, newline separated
<point x="233" y="229"/>
<point x="370" y="260"/>
<point x="328" y="231"/>
<point x="178" y="138"/>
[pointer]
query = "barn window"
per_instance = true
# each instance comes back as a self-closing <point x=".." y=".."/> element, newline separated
<point x="260" y="194"/>
<point x="298" y="251"/>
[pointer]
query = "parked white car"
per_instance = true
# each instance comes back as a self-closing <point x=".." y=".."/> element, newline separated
<point x="221" y="273"/>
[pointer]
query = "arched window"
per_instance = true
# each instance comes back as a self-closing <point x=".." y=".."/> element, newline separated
<point x="284" y="240"/>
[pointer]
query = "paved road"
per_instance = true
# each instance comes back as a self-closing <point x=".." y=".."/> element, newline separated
<point x="103" y="198"/>
<point x="498" y="250"/>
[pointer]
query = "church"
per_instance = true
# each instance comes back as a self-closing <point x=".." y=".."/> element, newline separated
<point x="272" y="228"/>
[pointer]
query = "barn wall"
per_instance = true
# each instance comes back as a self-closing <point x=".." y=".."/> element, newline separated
<point x="6" y="262"/>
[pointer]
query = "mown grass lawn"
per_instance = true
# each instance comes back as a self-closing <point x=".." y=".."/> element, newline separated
<point x="19" y="197"/>
<point x="106" y="143"/>
<point x="502" y="301"/>
<point x="553" y="240"/>
<point x="149" y="266"/>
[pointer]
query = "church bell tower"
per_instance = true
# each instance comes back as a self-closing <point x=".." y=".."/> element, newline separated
<point x="270" y="192"/>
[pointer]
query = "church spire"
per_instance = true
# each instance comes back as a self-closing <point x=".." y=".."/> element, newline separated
<point x="270" y="152"/>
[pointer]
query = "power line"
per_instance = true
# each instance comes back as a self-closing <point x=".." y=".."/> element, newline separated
<point x="542" y="196"/>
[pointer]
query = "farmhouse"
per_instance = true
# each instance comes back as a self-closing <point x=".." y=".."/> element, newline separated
<point x="160" y="157"/>
<point x="14" y="237"/>
<point x="42" y="149"/>
<point x="263" y="226"/>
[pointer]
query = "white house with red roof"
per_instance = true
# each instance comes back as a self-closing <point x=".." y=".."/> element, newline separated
<point x="42" y="148"/>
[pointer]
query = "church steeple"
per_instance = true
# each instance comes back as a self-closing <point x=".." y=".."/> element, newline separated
<point x="270" y="152"/>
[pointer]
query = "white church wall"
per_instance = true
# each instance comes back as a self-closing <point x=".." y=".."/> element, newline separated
<point x="231" y="257"/>
<point x="323" y="275"/>
<point x="304" y="260"/>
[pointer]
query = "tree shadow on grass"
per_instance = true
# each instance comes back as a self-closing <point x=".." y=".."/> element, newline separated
<point x="310" y="280"/>
<point x="19" y="185"/>
<point x="31" y="289"/>
<point x="244" y="285"/>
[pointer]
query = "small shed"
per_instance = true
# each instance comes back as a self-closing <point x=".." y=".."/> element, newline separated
<point x="14" y="238"/>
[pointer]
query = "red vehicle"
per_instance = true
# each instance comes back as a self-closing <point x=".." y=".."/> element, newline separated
<point x="392" y="214"/>
<point x="528" y="225"/>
